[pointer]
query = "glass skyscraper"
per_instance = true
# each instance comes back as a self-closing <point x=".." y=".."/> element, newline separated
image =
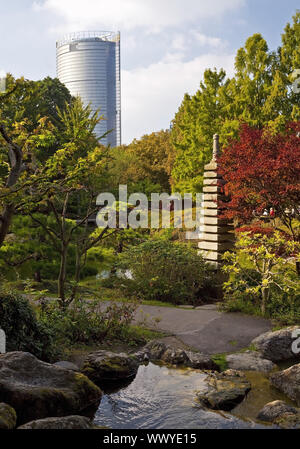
<point x="88" y="63"/>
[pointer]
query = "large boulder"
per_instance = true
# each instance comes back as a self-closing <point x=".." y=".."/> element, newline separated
<point x="8" y="417"/>
<point x="249" y="361"/>
<point x="281" y="414"/>
<point x="223" y="391"/>
<point x="159" y="351"/>
<point x="277" y="346"/>
<point x="67" y="365"/>
<point x="67" y="422"/>
<point x="154" y="350"/>
<point x="103" y="366"/>
<point x="174" y="356"/>
<point x="198" y="360"/>
<point x="39" y="390"/>
<point x="288" y="381"/>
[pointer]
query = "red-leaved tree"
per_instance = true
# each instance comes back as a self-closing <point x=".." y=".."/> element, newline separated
<point x="262" y="171"/>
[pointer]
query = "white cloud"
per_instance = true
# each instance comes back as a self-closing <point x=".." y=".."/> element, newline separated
<point x="179" y="42"/>
<point x="153" y="15"/>
<point x="151" y="96"/>
<point x="203" y="40"/>
<point x="165" y="31"/>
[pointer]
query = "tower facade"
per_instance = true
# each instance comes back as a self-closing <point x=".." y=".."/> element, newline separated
<point x="88" y="63"/>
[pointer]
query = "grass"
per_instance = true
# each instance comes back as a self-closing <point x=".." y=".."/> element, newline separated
<point x="89" y="287"/>
<point x="220" y="360"/>
<point x="95" y="287"/>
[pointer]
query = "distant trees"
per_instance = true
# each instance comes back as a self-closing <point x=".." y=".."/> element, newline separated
<point x="260" y="94"/>
<point x="144" y="165"/>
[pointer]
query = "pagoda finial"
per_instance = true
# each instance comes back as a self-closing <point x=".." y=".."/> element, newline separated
<point x="216" y="147"/>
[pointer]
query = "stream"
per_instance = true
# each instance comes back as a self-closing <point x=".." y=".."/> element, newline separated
<point x="160" y="397"/>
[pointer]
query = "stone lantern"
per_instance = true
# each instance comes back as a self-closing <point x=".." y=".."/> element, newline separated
<point x="216" y="234"/>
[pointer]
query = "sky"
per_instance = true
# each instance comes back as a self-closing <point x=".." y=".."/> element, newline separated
<point x="165" y="44"/>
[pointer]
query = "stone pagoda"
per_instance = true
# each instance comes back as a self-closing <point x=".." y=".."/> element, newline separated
<point x="216" y="234"/>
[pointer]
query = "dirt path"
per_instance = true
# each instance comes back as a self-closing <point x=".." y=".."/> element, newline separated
<point x="205" y="328"/>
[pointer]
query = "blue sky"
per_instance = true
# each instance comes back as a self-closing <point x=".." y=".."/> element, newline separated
<point x="165" y="44"/>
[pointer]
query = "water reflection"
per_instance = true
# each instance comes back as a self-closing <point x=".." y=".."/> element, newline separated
<point x="161" y="398"/>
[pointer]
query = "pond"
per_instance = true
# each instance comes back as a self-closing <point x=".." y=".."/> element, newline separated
<point x="164" y="398"/>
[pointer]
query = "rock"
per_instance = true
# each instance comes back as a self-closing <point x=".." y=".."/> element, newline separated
<point x="67" y="422"/>
<point x="280" y="413"/>
<point x="288" y="381"/>
<point x="155" y="350"/>
<point x="158" y="351"/>
<point x="197" y="360"/>
<point x="249" y="361"/>
<point x="175" y="356"/>
<point x="223" y="391"/>
<point x="39" y="390"/>
<point x="274" y="410"/>
<point x="288" y="421"/>
<point x="67" y="365"/>
<point x="277" y="346"/>
<point x="141" y="356"/>
<point x="107" y="366"/>
<point x="8" y="417"/>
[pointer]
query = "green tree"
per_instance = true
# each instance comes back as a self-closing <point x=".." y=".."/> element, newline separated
<point x="27" y="138"/>
<point x="198" y="119"/>
<point x="76" y="170"/>
<point x="144" y="165"/>
<point x="260" y="94"/>
<point x="269" y="258"/>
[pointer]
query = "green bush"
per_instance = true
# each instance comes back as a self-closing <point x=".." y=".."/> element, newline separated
<point x="23" y="330"/>
<point x="284" y="307"/>
<point x="87" y="321"/>
<point x="165" y="271"/>
<point x="262" y="278"/>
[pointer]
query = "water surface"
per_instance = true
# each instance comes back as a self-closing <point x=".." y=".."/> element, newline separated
<point x="162" y="398"/>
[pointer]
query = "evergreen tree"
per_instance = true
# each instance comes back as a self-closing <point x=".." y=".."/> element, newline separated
<point x="260" y="94"/>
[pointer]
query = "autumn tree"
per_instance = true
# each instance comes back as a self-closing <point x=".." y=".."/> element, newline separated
<point x="262" y="170"/>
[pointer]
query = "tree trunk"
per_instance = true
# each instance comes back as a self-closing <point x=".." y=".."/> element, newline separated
<point x="37" y="276"/>
<point x="62" y="275"/>
<point x="265" y="296"/>
<point x="5" y="221"/>
<point x="77" y="277"/>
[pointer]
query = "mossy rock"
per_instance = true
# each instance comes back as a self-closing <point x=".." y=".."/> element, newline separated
<point x="288" y="381"/>
<point x="38" y="390"/>
<point x="8" y="417"/>
<point x="63" y="423"/>
<point x="281" y="414"/>
<point x="104" y="366"/>
<point x="223" y="391"/>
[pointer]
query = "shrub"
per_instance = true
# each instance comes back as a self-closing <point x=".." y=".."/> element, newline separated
<point x="165" y="271"/>
<point x="87" y="321"/>
<point x="23" y="330"/>
<point x="261" y="277"/>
